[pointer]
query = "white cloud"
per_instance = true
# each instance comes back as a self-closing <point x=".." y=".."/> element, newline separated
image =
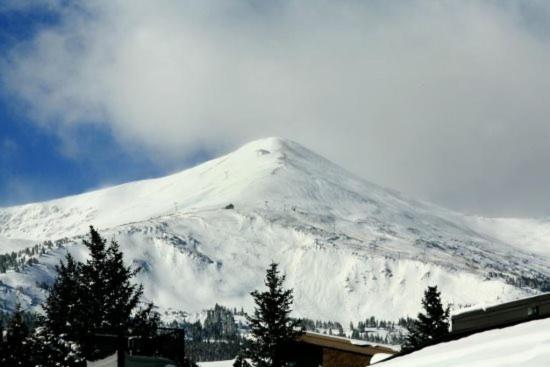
<point x="445" y="100"/>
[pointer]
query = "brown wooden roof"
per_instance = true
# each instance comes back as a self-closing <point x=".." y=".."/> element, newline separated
<point x="343" y="344"/>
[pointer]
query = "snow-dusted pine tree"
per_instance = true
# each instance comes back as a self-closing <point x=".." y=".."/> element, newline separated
<point x="431" y="326"/>
<point x="62" y="304"/>
<point x="144" y="324"/>
<point x="95" y="297"/>
<point x="271" y="326"/>
<point x="52" y="350"/>
<point x="16" y="351"/>
<point x="240" y="361"/>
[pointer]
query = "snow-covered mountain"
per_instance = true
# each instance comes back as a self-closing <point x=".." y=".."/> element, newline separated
<point x="350" y="248"/>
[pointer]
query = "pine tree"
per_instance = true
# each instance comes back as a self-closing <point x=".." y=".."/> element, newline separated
<point x="145" y="324"/>
<point x="51" y="350"/>
<point x="61" y="306"/>
<point x="96" y="297"/>
<point x="23" y="348"/>
<point x="240" y="362"/>
<point x="16" y="351"/>
<point x="271" y="326"/>
<point x="431" y="326"/>
<point x="120" y="296"/>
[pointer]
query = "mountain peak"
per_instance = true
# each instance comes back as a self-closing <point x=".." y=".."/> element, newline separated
<point x="273" y="147"/>
<point x="271" y="143"/>
<point x="278" y="148"/>
<point x="269" y="168"/>
<point x="341" y="239"/>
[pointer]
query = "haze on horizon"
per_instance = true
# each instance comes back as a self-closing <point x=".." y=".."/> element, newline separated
<point x="444" y="101"/>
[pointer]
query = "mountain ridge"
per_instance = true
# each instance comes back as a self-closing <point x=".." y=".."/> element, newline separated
<point x="341" y="239"/>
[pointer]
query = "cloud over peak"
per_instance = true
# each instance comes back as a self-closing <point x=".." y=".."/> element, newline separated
<point x="445" y="100"/>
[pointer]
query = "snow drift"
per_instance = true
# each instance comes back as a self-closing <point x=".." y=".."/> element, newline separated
<point x="521" y="345"/>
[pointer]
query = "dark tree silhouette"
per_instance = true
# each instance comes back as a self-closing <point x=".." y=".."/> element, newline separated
<point x="431" y="326"/>
<point x="16" y="346"/>
<point x="271" y="326"/>
<point x="62" y="304"/>
<point x="95" y="297"/>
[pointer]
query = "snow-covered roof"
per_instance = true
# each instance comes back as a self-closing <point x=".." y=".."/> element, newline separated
<point x="489" y="307"/>
<point x="346" y="344"/>
<point x="521" y="345"/>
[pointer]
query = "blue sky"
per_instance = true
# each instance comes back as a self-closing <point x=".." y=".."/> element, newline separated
<point x="34" y="162"/>
<point x="33" y="165"/>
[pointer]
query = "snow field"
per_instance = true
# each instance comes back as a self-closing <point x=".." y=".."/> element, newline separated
<point x="525" y="345"/>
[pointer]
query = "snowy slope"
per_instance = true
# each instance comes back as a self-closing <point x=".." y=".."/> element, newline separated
<point x="527" y="234"/>
<point x="351" y="249"/>
<point x="13" y="245"/>
<point x="521" y="345"/>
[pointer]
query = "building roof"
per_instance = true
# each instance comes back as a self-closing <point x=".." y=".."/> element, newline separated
<point x="344" y="344"/>
<point x="541" y="298"/>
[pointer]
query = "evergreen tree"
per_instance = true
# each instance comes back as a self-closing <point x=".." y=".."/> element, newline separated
<point x="62" y="304"/>
<point x="431" y="326"/>
<point x="145" y="324"/>
<point x="120" y="295"/>
<point x="240" y="361"/>
<point x="23" y="348"/>
<point x="50" y="350"/>
<point x="96" y="297"/>
<point x="219" y="323"/>
<point x="271" y="326"/>
<point x="16" y="351"/>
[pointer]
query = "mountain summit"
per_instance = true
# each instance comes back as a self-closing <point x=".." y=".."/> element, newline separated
<point x="270" y="168"/>
<point x="350" y="248"/>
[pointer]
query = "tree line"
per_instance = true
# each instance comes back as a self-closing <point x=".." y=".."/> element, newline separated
<point x="218" y="338"/>
<point x="17" y="260"/>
